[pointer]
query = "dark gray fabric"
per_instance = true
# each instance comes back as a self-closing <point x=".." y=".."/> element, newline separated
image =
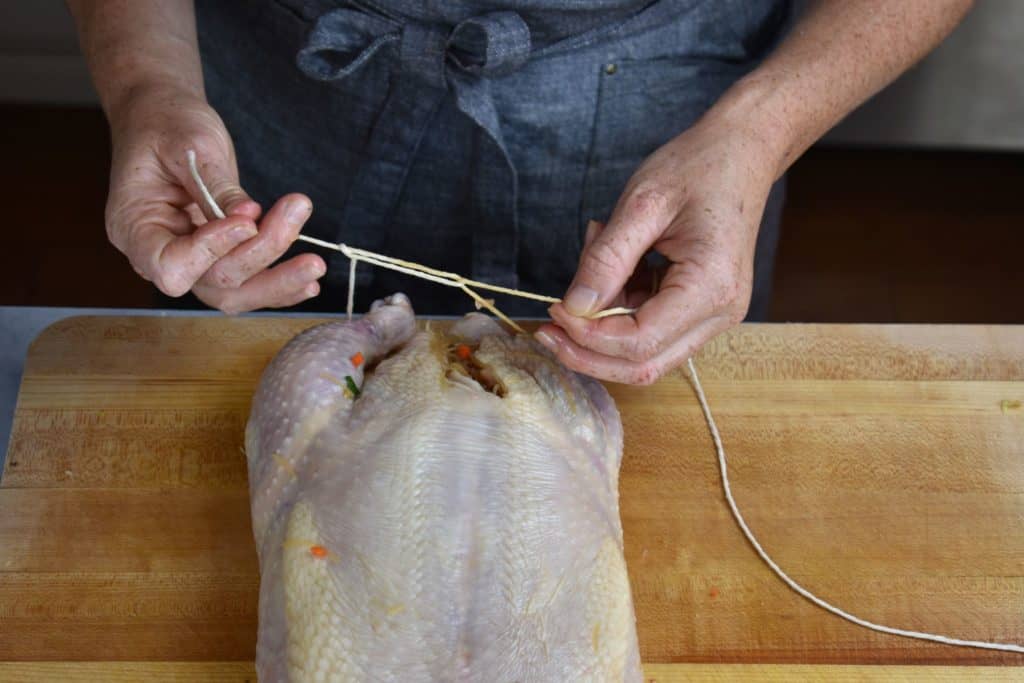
<point x="475" y="136"/>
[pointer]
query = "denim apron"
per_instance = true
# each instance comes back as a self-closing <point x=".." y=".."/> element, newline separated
<point x="476" y="136"/>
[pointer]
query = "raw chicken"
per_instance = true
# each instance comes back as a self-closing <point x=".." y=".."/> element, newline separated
<point x="455" y="520"/>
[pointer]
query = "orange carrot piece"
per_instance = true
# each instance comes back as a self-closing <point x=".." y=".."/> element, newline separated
<point x="318" y="551"/>
<point x="357" y="359"/>
<point x="463" y="351"/>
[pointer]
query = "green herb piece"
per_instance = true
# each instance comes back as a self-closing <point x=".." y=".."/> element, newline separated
<point x="352" y="387"/>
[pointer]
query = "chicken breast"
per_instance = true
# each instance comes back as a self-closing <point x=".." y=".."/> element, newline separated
<point x="436" y="506"/>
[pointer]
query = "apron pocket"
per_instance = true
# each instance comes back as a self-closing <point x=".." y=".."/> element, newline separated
<point x="641" y="105"/>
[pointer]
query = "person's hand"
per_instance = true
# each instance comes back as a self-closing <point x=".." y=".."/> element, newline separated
<point x="698" y="201"/>
<point x="157" y="217"/>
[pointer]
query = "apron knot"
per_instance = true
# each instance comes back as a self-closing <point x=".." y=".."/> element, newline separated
<point x="490" y="45"/>
<point x="431" y="62"/>
<point x="343" y="40"/>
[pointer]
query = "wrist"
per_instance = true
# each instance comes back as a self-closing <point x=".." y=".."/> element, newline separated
<point x="751" y="110"/>
<point x="146" y="96"/>
<point x="119" y="102"/>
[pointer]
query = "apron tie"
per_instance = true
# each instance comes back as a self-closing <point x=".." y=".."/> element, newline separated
<point x="430" y="61"/>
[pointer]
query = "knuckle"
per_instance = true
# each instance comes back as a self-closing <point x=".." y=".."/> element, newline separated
<point x="231" y="192"/>
<point x="648" y="199"/>
<point x="705" y="250"/>
<point x="727" y="288"/>
<point x="231" y="196"/>
<point x="605" y="261"/>
<point x="738" y="313"/>
<point x="280" y="243"/>
<point x="209" y="250"/>
<point x="224" y="189"/>
<point x="647" y="374"/>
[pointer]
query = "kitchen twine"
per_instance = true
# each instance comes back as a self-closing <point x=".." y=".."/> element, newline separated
<point x="409" y="268"/>
<point x="452" y="280"/>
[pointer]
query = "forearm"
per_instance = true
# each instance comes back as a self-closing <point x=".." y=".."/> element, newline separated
<point x="131" y="46"/>
<point x="840" y="53"/>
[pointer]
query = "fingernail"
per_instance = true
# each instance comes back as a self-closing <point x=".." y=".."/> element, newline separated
<point x="580" y="300"/>
<point x="546" y="339"/>
<point x="316" y="270"/>
<point x="312" y="290"/>
<point x="299" y="211"/>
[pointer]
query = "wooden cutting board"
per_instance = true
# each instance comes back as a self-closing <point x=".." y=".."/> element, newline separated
<point x="882" y="466"/>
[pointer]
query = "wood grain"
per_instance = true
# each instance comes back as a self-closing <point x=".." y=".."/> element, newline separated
<point x="878" y="464"/>
<point x="244" y="672"/>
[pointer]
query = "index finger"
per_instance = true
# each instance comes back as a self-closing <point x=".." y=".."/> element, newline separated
<point x="677" y="307"/>
<point x="614" y="369"/>
<point x="611" y="257"/>
<point x="277" y="232"/>
<point x="175" y="262"/>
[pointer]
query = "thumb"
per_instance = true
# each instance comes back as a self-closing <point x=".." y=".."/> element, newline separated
<point x="612" y="255"/>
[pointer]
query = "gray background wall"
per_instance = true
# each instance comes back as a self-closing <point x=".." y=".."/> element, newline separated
<point x="39" y="59"/>
<point x="967" y="94"/>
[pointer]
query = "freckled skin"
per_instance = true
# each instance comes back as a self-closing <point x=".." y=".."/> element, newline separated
<point x="465" y="536"/>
